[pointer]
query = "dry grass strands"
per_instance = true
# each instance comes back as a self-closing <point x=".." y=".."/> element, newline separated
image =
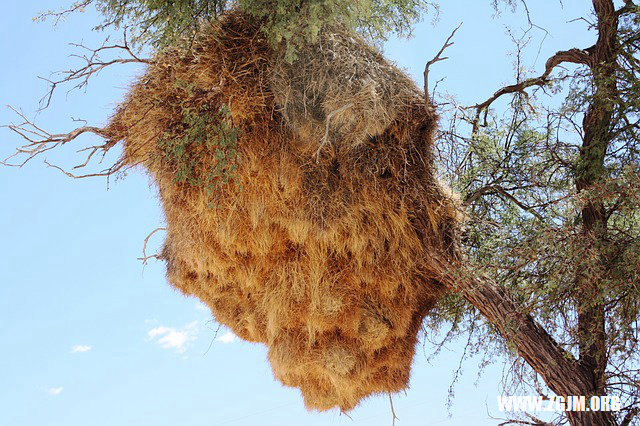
<point x="332" y="259"/>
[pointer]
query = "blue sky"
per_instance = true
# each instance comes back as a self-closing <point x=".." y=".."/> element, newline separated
<point x="90" y="337"/>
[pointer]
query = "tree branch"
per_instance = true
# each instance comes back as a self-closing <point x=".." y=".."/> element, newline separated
<point x="93" y="65"/>
<point x="575" y="56"/>
<point x="144" y="257"/>
<point x="39" y="141"/>
<point x="493" y="189"/>
<point x="448" y="43"/>
<point x="560" y="370"/>
<point x="628" y="418"/>
<point x="629" y="6"/>
<point x="61" y="14"/>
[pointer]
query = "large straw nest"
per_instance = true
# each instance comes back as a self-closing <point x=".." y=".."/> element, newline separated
<point x="325" y="242"/>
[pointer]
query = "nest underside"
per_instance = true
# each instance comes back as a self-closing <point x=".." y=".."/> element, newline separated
<point x="327" y="240"/>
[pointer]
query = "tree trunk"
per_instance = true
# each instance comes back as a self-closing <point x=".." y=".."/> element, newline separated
<point x="591" y="170"/>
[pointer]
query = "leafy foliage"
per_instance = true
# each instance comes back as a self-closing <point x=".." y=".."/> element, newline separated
<point x="299" y="22"/>
<point x="161" y="23"/>
<point x="201" y="133"/>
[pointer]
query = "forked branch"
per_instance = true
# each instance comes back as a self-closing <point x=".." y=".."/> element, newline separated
<point x="60" y="15"/>
<point x="145" y="258"/>
<point x="39" y="141"/>
<point x="575" y="56"/>
<point x="448" y="43"/>
<point x="93" y="64"/>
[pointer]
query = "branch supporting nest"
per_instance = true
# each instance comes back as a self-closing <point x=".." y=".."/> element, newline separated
<point x="38" y="140"/>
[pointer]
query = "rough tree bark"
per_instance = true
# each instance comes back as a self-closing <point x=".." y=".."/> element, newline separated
<point x="560" y="370"/>
<point x="590" y="170"/>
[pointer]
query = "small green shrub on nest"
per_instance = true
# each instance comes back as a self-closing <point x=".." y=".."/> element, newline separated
<point x="202" y="131"/>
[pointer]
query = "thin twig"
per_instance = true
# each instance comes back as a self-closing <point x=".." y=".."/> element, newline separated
<point x="393" y="412"/>
<point x="144" y="257"/>
<point x="326" y="129"/>
<point x="40" y="141"/>
<point x="94" y="64"/>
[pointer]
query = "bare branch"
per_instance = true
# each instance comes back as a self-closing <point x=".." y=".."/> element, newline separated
<point x="106" y="172"/>
<point x="575" y="56"/>
<point x="497" y="189"/>
<point x="144" y="257"/>
<point x="40" y="141"/>
<point x="93" y="64"/>
<point x="393" y="411"/>
<point x="448" y="43"/>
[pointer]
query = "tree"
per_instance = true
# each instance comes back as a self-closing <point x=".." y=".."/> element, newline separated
<point x="552" y="194"/>
<point x="558" y="190"/>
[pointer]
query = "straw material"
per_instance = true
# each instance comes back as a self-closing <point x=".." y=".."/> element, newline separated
<point x="321" y="231"/>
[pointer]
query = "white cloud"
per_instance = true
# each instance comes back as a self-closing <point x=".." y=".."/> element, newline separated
<point x="227" y="337"/>
<point x="173" y="338"/>
<point x="80" y="348"/>
<point x="158" y="331"/>
<point x="55" y="391"/>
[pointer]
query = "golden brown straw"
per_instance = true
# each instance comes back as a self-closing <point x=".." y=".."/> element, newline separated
<point x="325" y="243"/>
